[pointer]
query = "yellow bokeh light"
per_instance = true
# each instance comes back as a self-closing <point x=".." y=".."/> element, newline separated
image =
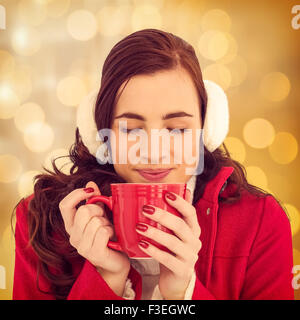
<point x="8" y="240"/>
<point x="219" y="74"/>
<point x="284" y="148"/>
<point x="28" y="113"/>
<point x="56" y="8"/>
<point x="183" y="14"/>
<point x="82" y="65"/>
<point x="10" y="168"/>
<point x="216" y="19"/>
<point x="32" y="12"/>
<point x="38" y="137"/>
<point x="7" y="64"/>
<point x="82" y="25"/>
<point x="232" y="50"/>
<point x="145" y="16"/>
<point x="275" y="86"/>
<point x="238" y="70"/>
<point x="26" y="183"/>
<point x="64" y="163"/>
<point x="294" y="217"/>
<point x="87" y="72"/>
<point x="26" y="41"/>
<point x="21" y="81"/>
<point x="259" y="133"/>
<point x="257" y="177"/>
<point x="236" y="148"/>
<point x="118" y="14"/>
<point x="70" y="91"/>
<point x="296" y="257"/>
<point x="9" y="102"/>
<point x="90" y="80"/>
<point x="156" y="3"/>
<point x="213" y="44"/>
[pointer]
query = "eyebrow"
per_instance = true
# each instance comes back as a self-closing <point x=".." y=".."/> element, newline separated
<point x="131" y="115"/>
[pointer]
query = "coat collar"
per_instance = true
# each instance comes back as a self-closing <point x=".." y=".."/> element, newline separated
<point x="207" y="214"/>
<point x="216" y="185"/>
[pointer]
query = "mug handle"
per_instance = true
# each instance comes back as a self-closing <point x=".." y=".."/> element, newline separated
<point x="108" y="201"/>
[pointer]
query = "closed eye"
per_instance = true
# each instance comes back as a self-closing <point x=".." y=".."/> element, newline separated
<point x="129" y="130"/>
<point x="177" y="129"/>
<point x="125" y="130"/>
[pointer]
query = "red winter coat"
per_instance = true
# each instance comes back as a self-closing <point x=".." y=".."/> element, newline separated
<point x="246" y="253"/>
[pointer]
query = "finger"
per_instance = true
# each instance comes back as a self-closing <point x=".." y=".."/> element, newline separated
<point x="92" y="184"/>
<point x="83" y="216"/>
<point x="172" y="222"/>
<point x="97" y="192"/>
<point x="89" y="235"/>
<point x="171" y="242"/>
<point x="68" y="205"/>
<point x="171" y="262"/>
<point x="187" y="210"/>
<point x="101" y="250"/>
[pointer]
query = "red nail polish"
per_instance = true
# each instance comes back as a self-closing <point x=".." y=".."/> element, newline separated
<point x="141" y="227"/>
<point x="148" y="209"/>
<point x="88" y="190"/>
<point x="170" y="196"/>
<point x="144" y="244"/>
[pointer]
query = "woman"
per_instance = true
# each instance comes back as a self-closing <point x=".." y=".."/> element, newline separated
<point x="234" y="240"/>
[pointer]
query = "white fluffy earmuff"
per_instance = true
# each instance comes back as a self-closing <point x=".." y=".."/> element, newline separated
<point x="215" y="127"/>
<point x="216" y="124"/>
<point x="86" y="122"/>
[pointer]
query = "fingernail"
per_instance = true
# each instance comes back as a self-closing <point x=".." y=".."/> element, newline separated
<point x="88" y="190"/>
<point x="141" y="227"/>
<point x="148" y="209"/>
<point x="170" y="196"/>
<point x="144" y="244"/>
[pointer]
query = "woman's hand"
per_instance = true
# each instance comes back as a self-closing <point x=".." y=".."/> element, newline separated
<point x="176" y="269"/>
<point x="90" y="230"/>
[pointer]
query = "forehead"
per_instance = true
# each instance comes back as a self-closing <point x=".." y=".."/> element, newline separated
<point x="159" y="94"/>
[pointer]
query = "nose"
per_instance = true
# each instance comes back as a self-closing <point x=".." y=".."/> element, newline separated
<point x="158" y="149"/>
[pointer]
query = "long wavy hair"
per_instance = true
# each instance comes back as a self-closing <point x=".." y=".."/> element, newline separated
<point x="143" y="52"/>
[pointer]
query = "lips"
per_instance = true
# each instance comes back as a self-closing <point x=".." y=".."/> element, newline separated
<point x="154" y="175"/>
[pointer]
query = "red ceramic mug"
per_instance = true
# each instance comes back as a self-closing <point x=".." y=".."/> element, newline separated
<point x="126" y="203"/>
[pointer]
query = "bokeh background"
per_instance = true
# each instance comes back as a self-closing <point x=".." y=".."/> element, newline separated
<point x="51" y="56"/>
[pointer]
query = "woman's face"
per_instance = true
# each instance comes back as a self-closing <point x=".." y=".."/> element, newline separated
<point x="165" y="100"/>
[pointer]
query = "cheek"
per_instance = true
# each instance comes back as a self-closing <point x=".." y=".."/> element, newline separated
<point x="121" y="169"/>
<point x="121" y="150"/>
<point x="186" y="148"/>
